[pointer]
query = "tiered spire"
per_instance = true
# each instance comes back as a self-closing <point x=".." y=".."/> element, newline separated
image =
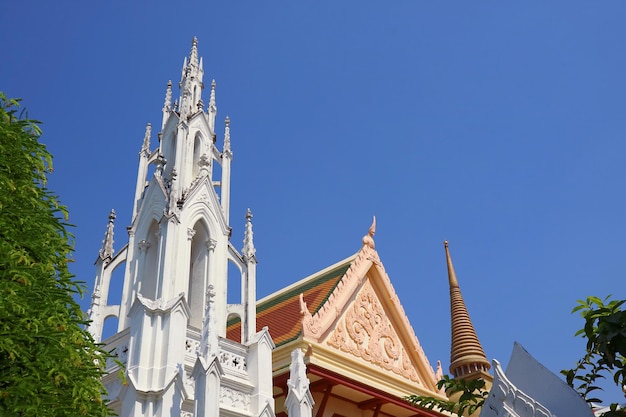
<point x="467" y="357"/>
<point x="191" y="82"/>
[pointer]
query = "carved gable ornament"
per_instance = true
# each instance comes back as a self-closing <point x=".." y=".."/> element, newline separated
<point x="366" y="332"/>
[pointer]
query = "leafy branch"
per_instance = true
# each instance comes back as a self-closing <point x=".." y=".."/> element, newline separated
<point x="605" y="331"/>
<point x="466" y="396"/>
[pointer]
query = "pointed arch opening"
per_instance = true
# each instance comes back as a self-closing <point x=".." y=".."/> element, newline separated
<point x="216" y="176"/>
<point x="201" y="246"/>
<point x="150" y="172"/>
<point x="198" y="151"/>
<point x="149" y="249"/>
<point x="116" y="284"/>
<point x="169" y="152"/>
<point x="109" y="327"/>
<point x="235" y="278"/>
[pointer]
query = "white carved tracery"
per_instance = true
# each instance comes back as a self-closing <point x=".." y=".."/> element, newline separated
<point x="234" y="399"/>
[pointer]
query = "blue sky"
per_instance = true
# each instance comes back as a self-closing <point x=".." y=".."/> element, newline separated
<point x="498" y="126"/>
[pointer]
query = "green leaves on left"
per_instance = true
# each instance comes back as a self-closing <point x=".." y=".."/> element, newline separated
<point x="49" y="363"/>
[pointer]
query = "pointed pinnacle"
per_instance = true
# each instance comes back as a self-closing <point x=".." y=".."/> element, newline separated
<point x="248" y="250"/>
<point x="167" y="103"/>
<point x="467" y="356"/>
<point x="107" y="242"/>
<point x="451" y="274"/>
<point x="212" y="96"/>
<point x="146" y="138"/>
<point x="193" y="55"/>
<point x="227" y="136"/>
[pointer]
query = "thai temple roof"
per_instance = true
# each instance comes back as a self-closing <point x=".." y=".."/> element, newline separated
<point x="281" y="309"/>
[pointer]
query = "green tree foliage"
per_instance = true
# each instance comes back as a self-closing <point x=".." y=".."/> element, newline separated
<point x="605" y="331"/>
<point x="466" y="396"/>
<point x="49" y="363"/>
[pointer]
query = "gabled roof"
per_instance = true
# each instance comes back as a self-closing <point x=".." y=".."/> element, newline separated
<point x="350" y="321"/>
<point x="280" y="311"/>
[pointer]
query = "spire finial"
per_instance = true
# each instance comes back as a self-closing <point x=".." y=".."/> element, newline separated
<point x="193" y="55"/>
<point x="107" y="243"/>
<point x="146" y="139"/>
<point x="212" y="97"/>
<point x="451" y="275"/>
<point x="298" y="380"/>
<point x="368" y="239"/>
<point x="227" y="135"/>
<point x="467" y="357"/>
<point x="248" y="250"/>
<point x="167" y="103"/>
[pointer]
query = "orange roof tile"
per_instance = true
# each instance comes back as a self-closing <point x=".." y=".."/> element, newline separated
<point x="280" y="311"/>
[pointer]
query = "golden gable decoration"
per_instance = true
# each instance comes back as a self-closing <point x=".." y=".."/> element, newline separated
<point x="366" y="332"/>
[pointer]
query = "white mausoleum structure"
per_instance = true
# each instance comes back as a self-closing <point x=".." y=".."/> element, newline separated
<point x="172" y="317"/>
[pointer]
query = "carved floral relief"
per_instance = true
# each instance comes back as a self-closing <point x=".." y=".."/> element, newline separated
<point x="366" y="332"/>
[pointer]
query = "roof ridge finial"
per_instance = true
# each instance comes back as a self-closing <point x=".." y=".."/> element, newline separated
<point x="248" y="250"/>
<point x="368" y="239"/>
<point x="107" y="243"/>
<point x="467" y="357"/>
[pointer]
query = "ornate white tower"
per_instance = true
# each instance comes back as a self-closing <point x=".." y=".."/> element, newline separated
<point x="173" y="314"/>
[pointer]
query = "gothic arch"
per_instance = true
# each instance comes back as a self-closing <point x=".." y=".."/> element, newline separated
<point x="110" y="324"/>
<point x="116" y="272"/>
<point x="149" y="254"/>
<point x="234" y="283"/>
<point x="169" y="152"/>
<point x="199" y="210"/>
<point x="199" y="258"/>
<point x="199" y="149"/>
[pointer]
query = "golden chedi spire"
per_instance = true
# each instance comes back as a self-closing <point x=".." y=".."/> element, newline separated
<point x="467" y="357"/>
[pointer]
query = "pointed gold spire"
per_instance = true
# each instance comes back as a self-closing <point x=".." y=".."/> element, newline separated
<point x="467" y="357"/>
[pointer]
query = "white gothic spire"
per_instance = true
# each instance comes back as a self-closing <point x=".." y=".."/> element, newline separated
<point x="248" y="250"/>
<point x="107" y="242"/>
<point x="146" y="139"/>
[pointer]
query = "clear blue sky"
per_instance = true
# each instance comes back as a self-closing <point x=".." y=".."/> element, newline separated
<point x="499" y="126"/>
